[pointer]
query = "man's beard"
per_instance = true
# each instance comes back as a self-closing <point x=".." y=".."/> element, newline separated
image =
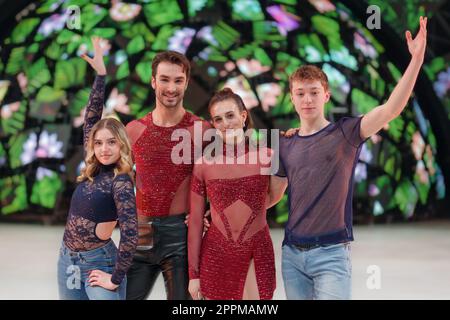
<point x="177" y="99"/>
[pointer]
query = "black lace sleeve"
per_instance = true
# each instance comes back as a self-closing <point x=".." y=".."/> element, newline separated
<point x="94" y="108"/>
<point x="123" y="194"/>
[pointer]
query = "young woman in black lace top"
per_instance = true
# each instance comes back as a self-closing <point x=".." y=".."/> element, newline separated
<point x="90" y="266"/>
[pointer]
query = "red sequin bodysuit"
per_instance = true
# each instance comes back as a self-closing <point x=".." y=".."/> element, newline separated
<point x="238" y="232"/>
<point x="162" y="185"/>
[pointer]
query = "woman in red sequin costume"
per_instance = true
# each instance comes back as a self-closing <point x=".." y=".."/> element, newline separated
<point x="235" y="258"/>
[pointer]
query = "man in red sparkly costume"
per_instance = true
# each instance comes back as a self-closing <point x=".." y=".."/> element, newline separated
<point x="162" y="184"/>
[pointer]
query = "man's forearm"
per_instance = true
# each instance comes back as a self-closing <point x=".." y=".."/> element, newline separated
<point x="402" y="91"/>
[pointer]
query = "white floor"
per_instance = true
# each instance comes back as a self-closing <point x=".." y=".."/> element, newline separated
<point x="411" y="261"/>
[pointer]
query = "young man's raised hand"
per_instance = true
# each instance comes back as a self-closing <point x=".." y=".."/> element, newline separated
<point x="417" y="45"/>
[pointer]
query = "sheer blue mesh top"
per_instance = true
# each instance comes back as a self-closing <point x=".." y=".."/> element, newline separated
<point x="320" y="169"/>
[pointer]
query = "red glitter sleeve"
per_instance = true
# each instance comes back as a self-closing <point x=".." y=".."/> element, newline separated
<point x="195" y="230"/>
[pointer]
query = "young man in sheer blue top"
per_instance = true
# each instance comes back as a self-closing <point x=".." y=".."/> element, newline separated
<point x="319" y="161"/>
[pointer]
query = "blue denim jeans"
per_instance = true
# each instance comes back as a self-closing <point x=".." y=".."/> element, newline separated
<point x="321" y="273"/>
<point x="73" y="273"/>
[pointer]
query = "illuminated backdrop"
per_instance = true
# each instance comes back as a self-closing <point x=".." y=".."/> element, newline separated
<point x="248" y="45"/>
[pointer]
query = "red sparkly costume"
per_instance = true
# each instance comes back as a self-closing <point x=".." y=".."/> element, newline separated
<point x="238" y="233"/>
<point x="164" y="158"/>
<point x="162" y="186"/>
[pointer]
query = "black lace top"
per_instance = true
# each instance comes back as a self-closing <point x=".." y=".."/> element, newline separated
<point x="107" y="198"/>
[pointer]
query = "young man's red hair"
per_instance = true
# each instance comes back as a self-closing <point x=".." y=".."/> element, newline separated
<point x="309" y="72"/>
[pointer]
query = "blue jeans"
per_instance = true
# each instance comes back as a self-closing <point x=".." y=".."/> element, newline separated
<point x="73" y="273"/>
<point x="321" y="273"/>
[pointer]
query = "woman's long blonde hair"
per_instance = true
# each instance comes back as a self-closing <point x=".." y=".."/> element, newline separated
<point x="125" y="162"/>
